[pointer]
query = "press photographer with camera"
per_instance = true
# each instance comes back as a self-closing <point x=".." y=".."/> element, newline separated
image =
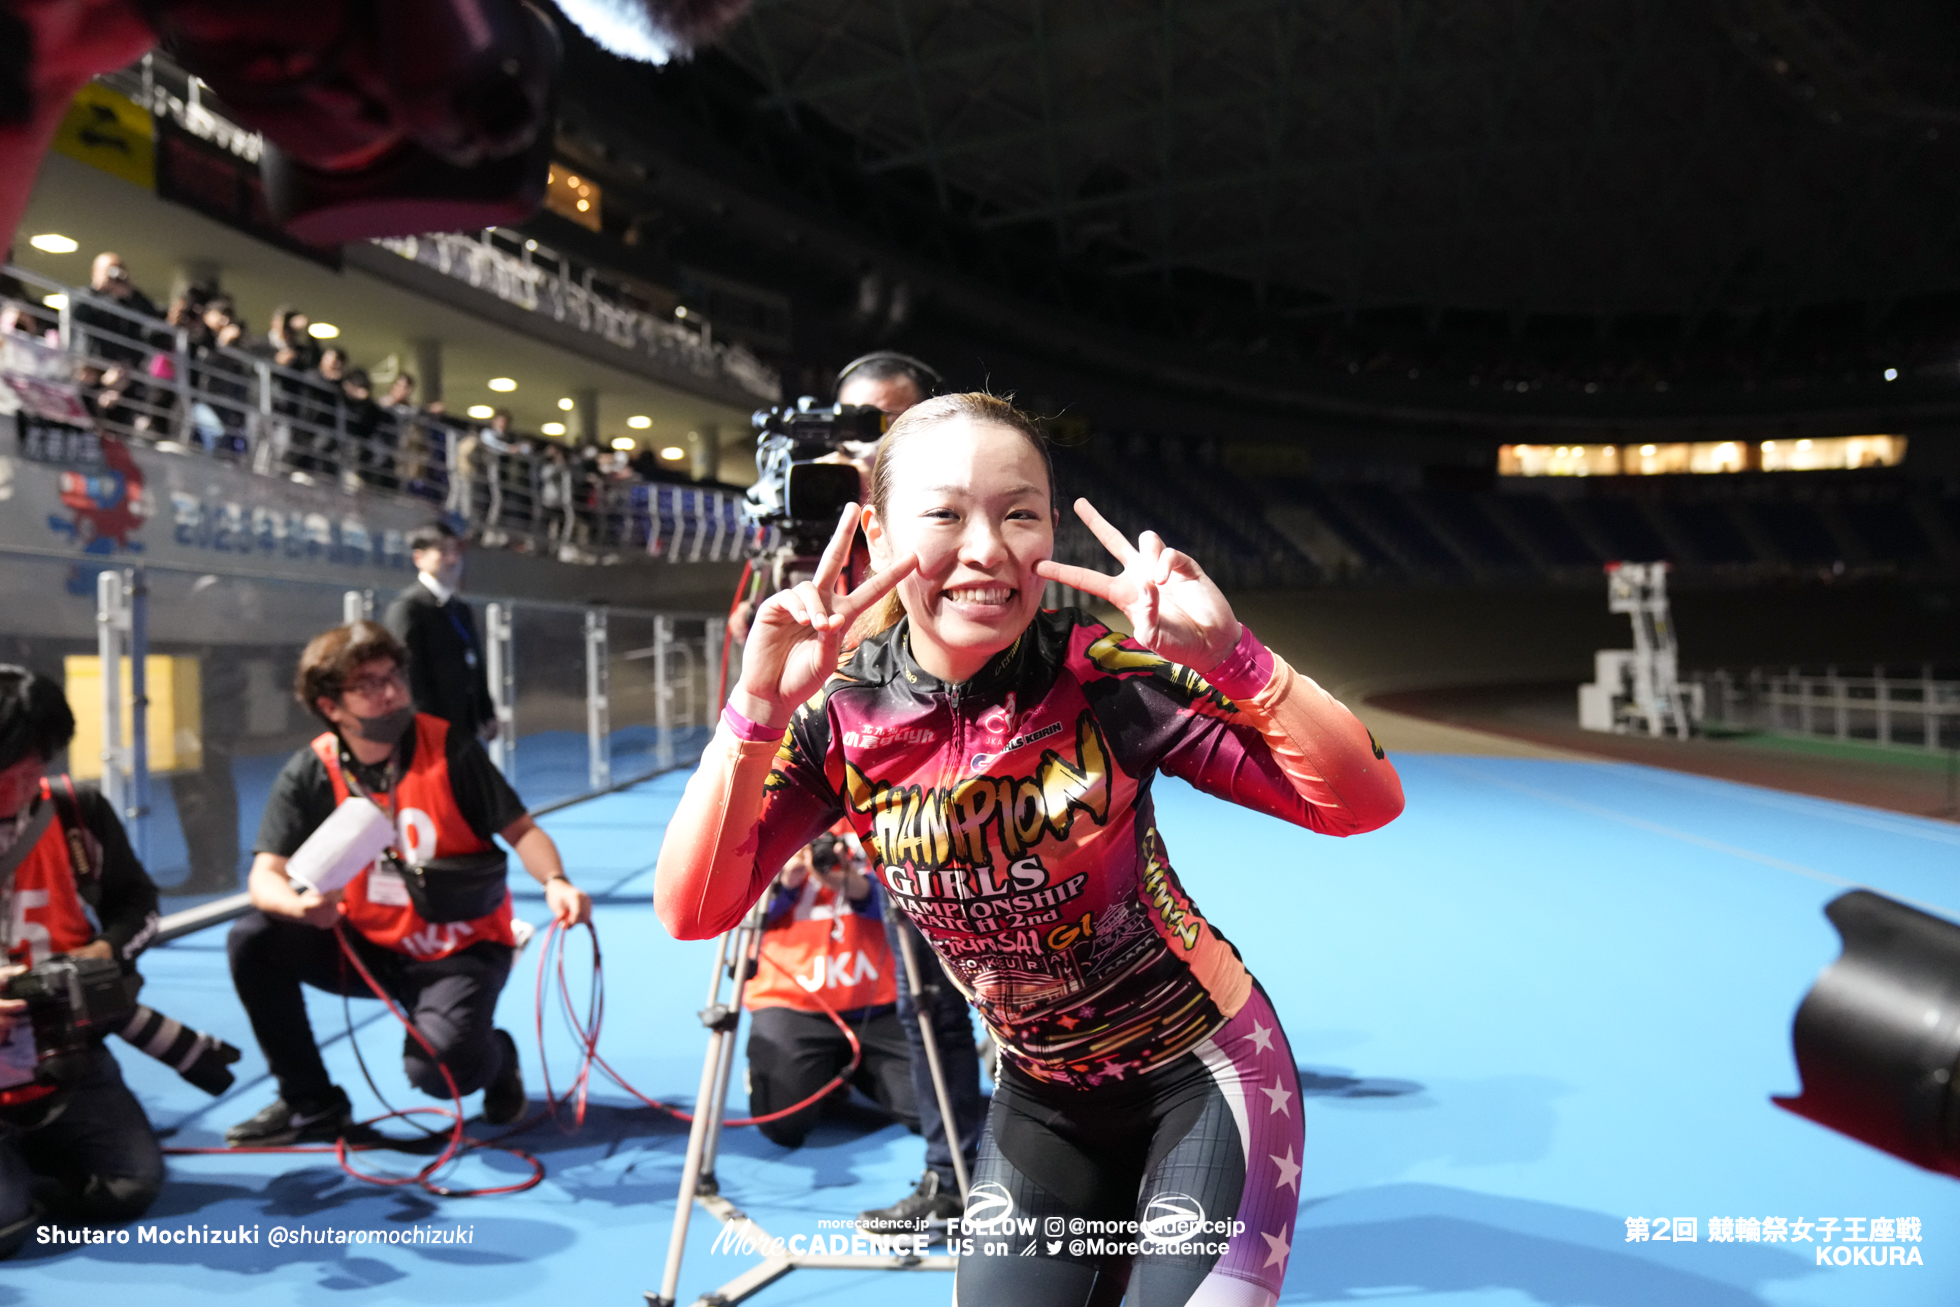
<point x="823" y="952"/>
<point x="74" y="1143"/>
<point x="430" y="916"/>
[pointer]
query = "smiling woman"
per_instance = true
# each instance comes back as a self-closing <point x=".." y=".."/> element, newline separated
<point x="997" y="761"/>
<point x="978" y="524"/>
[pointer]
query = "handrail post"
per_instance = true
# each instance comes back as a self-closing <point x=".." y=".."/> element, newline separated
<point x="501" y="669"/>
<point x="598" y="704"/>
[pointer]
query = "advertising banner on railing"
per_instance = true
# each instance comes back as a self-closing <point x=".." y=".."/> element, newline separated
<point x="68" y="490"/>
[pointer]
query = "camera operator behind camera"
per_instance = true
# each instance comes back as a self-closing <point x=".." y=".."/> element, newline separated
<point x="73" y="1147"/>
<point x="822" y="947"/>
<point x="893" y="384"/>
<point x="888" y="382"/>
<point x="430" y="918"/>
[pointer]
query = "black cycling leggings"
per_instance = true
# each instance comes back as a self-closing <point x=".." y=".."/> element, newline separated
<point x="1177" y="1187"/>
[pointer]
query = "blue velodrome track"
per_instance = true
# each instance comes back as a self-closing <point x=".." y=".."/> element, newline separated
<point x="1553" y="996"/>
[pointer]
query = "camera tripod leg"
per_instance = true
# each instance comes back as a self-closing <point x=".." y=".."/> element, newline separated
<point x="748" y="950"/>
<point x="742" y="945"/>
<point x="909" y="952"/>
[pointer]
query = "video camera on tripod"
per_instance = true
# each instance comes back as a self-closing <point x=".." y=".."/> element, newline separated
<point x="804" y="478"/>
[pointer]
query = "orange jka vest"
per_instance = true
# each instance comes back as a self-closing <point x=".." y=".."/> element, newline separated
<point x="823" y="950"/>
<point x="47" y="911"/>
<point x="428" y="825"/>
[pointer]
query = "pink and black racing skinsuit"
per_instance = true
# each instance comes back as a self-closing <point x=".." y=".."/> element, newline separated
<point x="1145" y="1082"/>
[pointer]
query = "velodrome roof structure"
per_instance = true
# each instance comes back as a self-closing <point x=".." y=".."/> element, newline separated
<point x="1761" y="187"/>
<point x="1597" y="157"/>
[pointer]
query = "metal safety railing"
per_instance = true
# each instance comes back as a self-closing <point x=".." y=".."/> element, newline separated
<point x="197" y="671"/>
<point x="191" y="387"/>
<point x="1882" y="708"/>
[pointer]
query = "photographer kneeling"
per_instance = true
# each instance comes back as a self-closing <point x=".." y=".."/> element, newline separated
<point x="447" y="802"/>
<point x="823" y="946"/>
<point x="78" y="1149"/>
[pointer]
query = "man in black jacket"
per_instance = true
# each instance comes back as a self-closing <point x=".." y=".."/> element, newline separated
<point x="447" y="676"/>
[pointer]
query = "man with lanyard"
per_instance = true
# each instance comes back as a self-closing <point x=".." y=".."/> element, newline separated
<point x="448" y="803"/>
<point x="447" y="675"/>
<point x="69" y="884"/>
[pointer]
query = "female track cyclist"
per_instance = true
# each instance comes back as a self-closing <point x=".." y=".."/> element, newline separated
<point x="997" y="762"/>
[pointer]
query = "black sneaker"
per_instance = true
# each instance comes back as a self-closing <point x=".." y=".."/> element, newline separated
<point x="503" y="1098"/>
<point x="926" y="1209"/>
<point x="282" y="1123"/>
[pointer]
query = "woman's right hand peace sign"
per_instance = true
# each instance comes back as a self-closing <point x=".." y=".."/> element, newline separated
<point x="794" y="639"/>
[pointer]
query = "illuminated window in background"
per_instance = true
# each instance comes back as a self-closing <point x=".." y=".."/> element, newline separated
<point x="1559" y="460"/>
<point x="1824" y="453"/>
<point x="1832" y="452"/>
<point x="572" y="195"/>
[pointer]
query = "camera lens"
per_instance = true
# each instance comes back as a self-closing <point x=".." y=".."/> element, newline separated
<point x="1877" y="1040"/>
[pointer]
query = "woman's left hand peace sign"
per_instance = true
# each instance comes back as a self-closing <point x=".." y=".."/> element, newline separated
<point x="1174" y="608"/>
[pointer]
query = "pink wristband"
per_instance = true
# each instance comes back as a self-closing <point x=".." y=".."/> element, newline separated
<point x="1244" y="671"/>
<point x="747" y="731"/>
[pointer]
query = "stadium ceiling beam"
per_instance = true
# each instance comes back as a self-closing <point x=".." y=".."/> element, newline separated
<point x="934" y="163"/>
<point x="1281" y="89"/>
<point x="1211" y="183"/>
<point x="1021" y="46"/>
<point x="1388" y="102"/>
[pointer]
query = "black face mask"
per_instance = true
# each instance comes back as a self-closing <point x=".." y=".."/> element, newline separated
<point x="388" y="728"/>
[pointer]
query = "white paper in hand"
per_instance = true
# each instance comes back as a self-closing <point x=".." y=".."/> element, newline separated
<point x="343" y="844"/>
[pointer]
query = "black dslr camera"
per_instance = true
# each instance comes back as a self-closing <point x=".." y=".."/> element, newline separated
<point x="71" y="1004"/>
<point x="826" y="853"/>
<point x="795" y="489"/>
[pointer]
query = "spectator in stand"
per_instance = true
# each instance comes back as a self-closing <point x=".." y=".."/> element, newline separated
<point x="115" y="335"/>
<point x="520" y="488"/>
<point x="411" y="433"/>
<point x="370" y="440"/>
<point x="103" y="390"/>
<point x="218" y="373"/>
<point x="16" y="305"/>
<point x="324" y="412"/>
<point x="288" y="346"/>
<point x="493" y="442"/>
<point x="556" y="492"/>
<point x="287" y="343"/>
<point x="461" y="462"/>
<point x="587" y="477"/>
<point x="113" y="331"/>
<point x="447" y="675"/>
